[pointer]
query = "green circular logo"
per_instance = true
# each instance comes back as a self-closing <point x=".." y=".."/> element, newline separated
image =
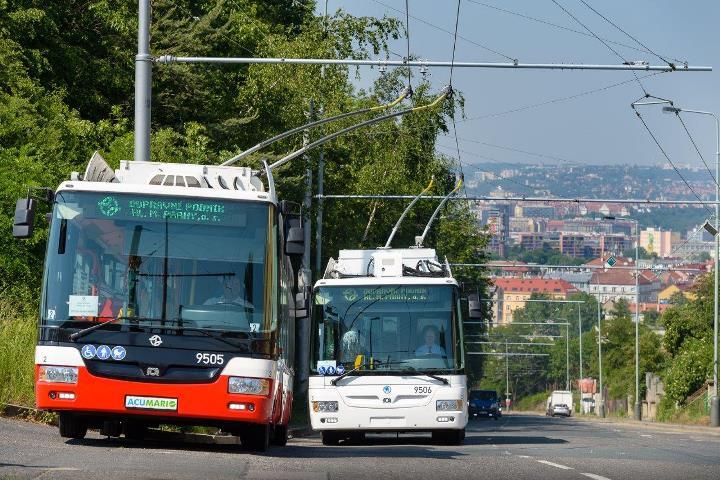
<point x="109" y="206"/>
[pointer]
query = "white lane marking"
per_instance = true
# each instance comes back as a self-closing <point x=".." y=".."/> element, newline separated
<point x="556" y="465"/>
<point x="595" y="477"/>
<point x="524" y="456"/>
<point x="646" y="435"/>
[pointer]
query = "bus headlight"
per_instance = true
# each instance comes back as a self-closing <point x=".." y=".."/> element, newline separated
<point x="52" y="374"/>
<point x="248" y="386"/>
<point x="445" y="405"/>
<point x="323" y="406"/>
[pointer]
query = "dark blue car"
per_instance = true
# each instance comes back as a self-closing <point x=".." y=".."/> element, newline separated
<point x="484" y="403"/>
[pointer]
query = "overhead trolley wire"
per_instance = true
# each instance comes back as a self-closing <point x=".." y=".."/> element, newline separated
<point x="561" y="27"/>
<point x="601" y="41"/>
<point x="672" y="65"/>
<point x="452" y="66"/>
<point x="696" y="148"/>
<point x="559" y="99"/>
<point x="421" y="20"/>
<point x="667" y="157"/>
<point x="407" y="31"/>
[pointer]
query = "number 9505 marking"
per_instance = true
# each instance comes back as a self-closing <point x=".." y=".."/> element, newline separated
<point x="210" y="358"/>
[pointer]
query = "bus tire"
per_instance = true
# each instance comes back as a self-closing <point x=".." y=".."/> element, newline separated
<point x="71" y="426"/>
<point x="256" y="438"/>
<point x="280" y="435"/>
<point x="330" y="438"/>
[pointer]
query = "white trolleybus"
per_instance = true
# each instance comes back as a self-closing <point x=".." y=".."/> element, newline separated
<point x="387" y="352"/>
<point x="167" y="299"/>
<point x="388" y="349"/>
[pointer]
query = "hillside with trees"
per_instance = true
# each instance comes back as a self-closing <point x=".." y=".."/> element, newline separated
<point x="66" y="90"/>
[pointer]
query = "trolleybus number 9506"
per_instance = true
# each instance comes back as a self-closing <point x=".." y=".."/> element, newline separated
<point x="423" y="390"/>
<point x="210" y="358"/>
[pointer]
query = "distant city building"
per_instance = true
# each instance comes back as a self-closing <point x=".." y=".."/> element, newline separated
<point x="535" y="211"/>
<point x="497" y="218"/>
<point x="611" y="285"/>
<point x="513" y="293"/>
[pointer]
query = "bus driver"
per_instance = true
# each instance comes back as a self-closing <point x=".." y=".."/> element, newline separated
<point x="430" y="347"/>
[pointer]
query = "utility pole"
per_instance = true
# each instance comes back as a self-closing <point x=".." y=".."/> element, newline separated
<point x="305" y="274"/>
<point x="601" y="407"/>
<point x="143" y="84"/>
<point x="507" y="377"/>
<point x="638" y="405"/>
<point x="567" y="357"/>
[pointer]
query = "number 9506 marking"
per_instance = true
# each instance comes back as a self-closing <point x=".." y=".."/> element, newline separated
<point x="423" y="390"/>
<point x="210" y="358"/>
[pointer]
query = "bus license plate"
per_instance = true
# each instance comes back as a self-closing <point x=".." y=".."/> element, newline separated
<point x="151" y="403"/>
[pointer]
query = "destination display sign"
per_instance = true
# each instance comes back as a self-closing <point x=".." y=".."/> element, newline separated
<point x="397" y="294"/>
<point x="185" y="210"/>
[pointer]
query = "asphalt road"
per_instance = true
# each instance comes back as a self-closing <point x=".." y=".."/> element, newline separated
<point x="515" y="447"/>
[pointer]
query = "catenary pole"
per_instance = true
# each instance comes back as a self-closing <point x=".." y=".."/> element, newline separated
<point x="143" y="84"/>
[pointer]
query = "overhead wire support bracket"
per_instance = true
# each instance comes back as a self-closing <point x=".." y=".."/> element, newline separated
<point x="406" y="93"/>
<point x="429" y="63"/>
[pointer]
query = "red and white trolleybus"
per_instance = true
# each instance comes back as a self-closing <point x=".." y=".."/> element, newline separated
<point x="168" y="298"/>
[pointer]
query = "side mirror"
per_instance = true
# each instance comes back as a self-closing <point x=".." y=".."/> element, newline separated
<point x="301" y="305"/>
<point x="24" y="218"/>
<point x="295" y="238"/>
<point x="475" y="310"/>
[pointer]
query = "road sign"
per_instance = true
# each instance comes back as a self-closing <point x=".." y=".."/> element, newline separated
<point x="611" y="261"/>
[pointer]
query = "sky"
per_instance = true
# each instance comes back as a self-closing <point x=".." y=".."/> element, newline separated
<point x="598" y="128"/>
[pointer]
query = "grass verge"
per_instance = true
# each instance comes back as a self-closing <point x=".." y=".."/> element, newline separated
<point x="18" y="333"/>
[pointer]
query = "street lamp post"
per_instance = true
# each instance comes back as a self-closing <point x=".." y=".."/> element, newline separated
<point x="601" y="407"/>
<point x="714" y="400"/>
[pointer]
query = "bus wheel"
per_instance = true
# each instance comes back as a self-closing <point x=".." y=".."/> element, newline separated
<point x="330" y="438"/>
<point x="280" y="435"/>
<point x="256" y="438"/>
<point x="135" y="430"/>
<point x="71" y="426"/>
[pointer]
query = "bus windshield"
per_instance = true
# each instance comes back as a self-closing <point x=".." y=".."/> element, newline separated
<point x="149" y="260"/>
<point x="387" y="328"/>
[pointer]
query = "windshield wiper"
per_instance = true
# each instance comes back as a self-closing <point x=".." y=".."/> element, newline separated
<point x="209" y="333"/>
<point x="85" y="331"/>
<point x="355" y="370"/>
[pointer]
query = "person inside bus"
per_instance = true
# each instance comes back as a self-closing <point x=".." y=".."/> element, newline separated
<point x="233" y="292"/>
<point x="430" y="347"/>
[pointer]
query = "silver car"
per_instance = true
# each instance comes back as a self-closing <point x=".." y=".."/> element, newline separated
<point x="560" y="409"/>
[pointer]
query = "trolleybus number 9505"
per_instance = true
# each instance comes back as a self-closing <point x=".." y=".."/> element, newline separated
<point x="423" y="390"/>
<point x="210" y="358"/>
